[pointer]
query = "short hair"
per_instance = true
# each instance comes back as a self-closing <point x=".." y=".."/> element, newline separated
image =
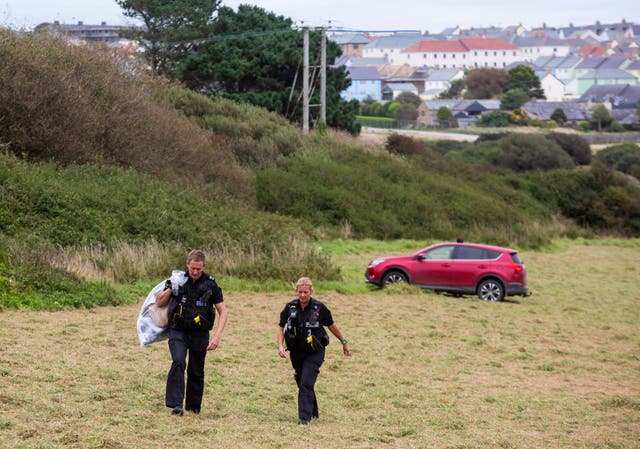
<point x="304" y="281"/>
<point x="196" y="255"/>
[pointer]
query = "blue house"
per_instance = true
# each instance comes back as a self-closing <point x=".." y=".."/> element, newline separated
<point x="366" y="83"/>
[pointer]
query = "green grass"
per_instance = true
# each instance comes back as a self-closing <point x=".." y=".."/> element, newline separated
<point x="557" y="369"/>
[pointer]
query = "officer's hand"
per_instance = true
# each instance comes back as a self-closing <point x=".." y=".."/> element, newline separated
<point x="282" y="353"/>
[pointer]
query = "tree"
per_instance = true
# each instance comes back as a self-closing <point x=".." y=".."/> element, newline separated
<point x="409" y="98"/>
<point x="454" y="91"/>
<point x="444" y="115"/>
<point x="256" y="57"/>
<point x="559" y="116"/>
<point x="406" y="113"/>
<point x="513" y="99"/>
<point x="171" y="28"/>
<point x="524" y="78"/>
<point x="600" y="118"/>
<point x="486" y="83"/>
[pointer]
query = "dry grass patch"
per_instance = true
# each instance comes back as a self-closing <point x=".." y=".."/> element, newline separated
<point x="558" y="369"/>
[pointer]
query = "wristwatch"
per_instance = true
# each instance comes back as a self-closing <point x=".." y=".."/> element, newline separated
<point x="344" y="342"/>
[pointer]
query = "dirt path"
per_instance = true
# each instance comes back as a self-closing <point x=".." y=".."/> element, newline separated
<point x="378" y="135"/>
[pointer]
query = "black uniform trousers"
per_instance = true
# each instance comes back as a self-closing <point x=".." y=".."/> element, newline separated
<point x="306" y="369"/>
<point x="195" y="344"/>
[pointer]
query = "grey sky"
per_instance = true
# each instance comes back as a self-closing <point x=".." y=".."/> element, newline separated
<point x="357" y="14"/>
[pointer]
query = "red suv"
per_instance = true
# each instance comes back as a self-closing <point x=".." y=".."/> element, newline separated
<point x="491" y="272"/>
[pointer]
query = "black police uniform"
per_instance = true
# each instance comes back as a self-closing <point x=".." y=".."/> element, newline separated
<point x="191" y="318"/>
<point x="306" y="350"/>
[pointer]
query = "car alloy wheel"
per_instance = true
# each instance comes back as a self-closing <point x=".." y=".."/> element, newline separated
<point x="393" y="277"/>
<point x="490" y="290"/>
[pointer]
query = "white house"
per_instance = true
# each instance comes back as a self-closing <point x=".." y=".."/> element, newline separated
<point x="468" y="53"/>
<point x="554" y="89"/>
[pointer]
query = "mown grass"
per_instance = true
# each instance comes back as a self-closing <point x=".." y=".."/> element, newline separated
<point x="557" y="369"/>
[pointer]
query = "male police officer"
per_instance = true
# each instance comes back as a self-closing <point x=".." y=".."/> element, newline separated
<point x="191" y="317"/>
<point x="301" y="327"/>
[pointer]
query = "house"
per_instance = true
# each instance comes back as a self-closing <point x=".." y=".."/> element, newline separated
<point x="440" y="80"/>
<point x="562" y="68"/>
<point x="389" y="47"/>
<point x="554" y="88"/>
<point x="461" y="109"/>
<point x="543" y="110"/>
<point x="351" y="44"/>
<point x="102" y="33"/>
<point x="366" y="84"/>
<point x="471" y="52"/>
<point x="534" y="47"/>
<point x="616" y="96"/>
<point x="391" y="90"/>
<point x="634" y="69"/>
<point x="605" y="76"/>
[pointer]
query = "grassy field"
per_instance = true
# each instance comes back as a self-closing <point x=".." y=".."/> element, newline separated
<point x="560" y="369"/>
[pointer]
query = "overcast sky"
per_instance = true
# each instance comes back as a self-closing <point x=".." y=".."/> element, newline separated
<point x="373" y="15"/>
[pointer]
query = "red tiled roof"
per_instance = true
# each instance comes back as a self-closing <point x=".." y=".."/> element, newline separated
<point x="460" y="45"/>
<point x="482" y="43"/>
<point x="435" y="46"/>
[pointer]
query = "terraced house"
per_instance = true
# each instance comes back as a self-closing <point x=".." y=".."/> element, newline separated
<point x="468" y="53"/>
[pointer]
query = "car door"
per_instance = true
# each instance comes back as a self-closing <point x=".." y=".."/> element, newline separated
<point x="433" y="266"/>
<point x="468" y="264"/>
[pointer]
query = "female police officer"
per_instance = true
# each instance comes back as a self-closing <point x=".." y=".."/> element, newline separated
<point x="301" y="328"/>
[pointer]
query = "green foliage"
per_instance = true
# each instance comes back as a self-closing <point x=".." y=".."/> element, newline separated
<point x="422" y="198"/>
<point x="514" y="98"/>
<point x="256" y="57"/>
<point x="600" y="118"/>
<point x="404" y="145"/>
<point x="575" y="146"/>
<point x="486" y="83"/>
<point x="559" y="116"/>
<point x="389" y="108"/>
<point x="170" y="29"/>
<point x="523" y="78"/>
<point x="28" y="279"/>
<point x="409" y="98"/>
<point x="595" y="198"/>
<point x="444" y="115"/>
<point x="454" y="90"/>
<point x="78" y="104"/>
<point x="518" y="152"/>
<point x="494" y="119"/>
<point x="405" y="112"/>
<point x="624" y="157"/>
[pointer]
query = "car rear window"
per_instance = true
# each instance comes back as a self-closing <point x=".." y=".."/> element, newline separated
<point x="516" y="258"/>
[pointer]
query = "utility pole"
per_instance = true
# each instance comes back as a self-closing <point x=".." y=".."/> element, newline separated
<point x="305" y="83"/>
<point x="323" y="77"/>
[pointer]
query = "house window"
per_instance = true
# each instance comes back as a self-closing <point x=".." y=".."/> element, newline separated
<point x="424" y="55"/>
<point x="444" y="66"/>
<point x="495" y="53"/>
<point x="444" y="56"/>
<point x="495" y="64"/>
<point x="486" y="53"/>
<point x="435" y="56"/>
<point x="475" y="53"/>
<point x="514" y="53"/>
<point x="453" y="56"/>
<point x="464" y="56"/>
<point x="504" y="53"/>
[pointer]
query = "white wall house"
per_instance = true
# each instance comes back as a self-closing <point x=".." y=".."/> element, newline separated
<point x="469" y="53"/>
<point x="535" y="47"/>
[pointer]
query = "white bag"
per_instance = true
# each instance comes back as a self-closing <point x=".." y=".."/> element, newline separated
<point x="153" y="321"/>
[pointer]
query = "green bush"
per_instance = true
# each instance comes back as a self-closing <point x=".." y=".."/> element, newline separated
<point x="574" y="145"/>
<point x="624" y="157"/>
<point x="494" y="119"/>
<point x="399" y="144"/>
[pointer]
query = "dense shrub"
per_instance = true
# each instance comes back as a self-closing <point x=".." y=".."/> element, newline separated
<point x="595" y="199"/>
<point x="77" y="104"/>
<point x="624" y="157"/>
<point x="405" y="145"/>
<point x="496" y="119"/>
<point x="522" y="152"/>
<point x="575" y="146"/>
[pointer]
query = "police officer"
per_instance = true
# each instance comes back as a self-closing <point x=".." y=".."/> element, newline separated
<point x="301" y="328"/>
<point x="191" y="317"/>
